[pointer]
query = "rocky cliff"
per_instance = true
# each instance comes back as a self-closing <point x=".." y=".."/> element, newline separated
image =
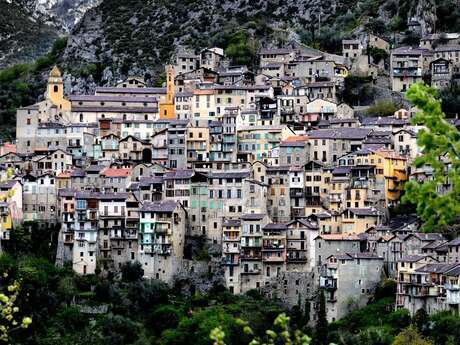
<point x="28" y="28"/>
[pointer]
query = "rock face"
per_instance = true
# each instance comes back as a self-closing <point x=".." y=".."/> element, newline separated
<point x="28" y="28"/>
<point x="62" y="14"/>
<point x="118" y="40"/>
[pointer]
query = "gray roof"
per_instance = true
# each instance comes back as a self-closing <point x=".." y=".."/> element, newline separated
<point x="178" y="174"/>
<point x="160" y="207"/>
<point x="106" y="98"/>
<point x="454" y="243"/>
<point x="279" y="51"/>
<point x="126" y="110"/>
<point x="275" y="226"/>
<point x="369" y="211"/>
<point x="183" y="94"/>
<point x="229" y="174"/>
<point x="436" y="268"/>
<point x="101" y="196"/>
<point x="413" y="258"/>
<point x="78" y="173"/>
<point x="231" y="222"/>
<point x="132" y="90"/>
<point x="383" y="121"/>
<point x="8" y="184"/>
<point x="448" y="48"/>
<point x="410" y="51"/>
<point x="252" y="216"/>
<point x="340" y="133"/>
<point x="148" y="181"/>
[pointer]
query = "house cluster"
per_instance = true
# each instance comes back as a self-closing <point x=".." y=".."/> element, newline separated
<point x="286" y="187"/>
<point x="435" y="61"/>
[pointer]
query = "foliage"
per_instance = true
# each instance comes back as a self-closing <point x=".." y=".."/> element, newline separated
<point x="9" y="309"/>
<point x="420" y="319"/>
<point x="131" y="272"/>
<point x="377" y="54"/>
<point x="382" y="108"/>
<point x="411" y="38"/>
<point x="450" y="100"/>
<point x="282" y="334"/>
<point x="240" y="48"/>
<point x="321" y="329"/>
<point x="440" y="143"/>
<point x="22" y="85"/>
<point x="410" y="336"/>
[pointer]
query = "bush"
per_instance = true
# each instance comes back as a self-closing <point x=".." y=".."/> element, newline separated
<point x="382" y="108"/>
<point x="131" y="272"/>
<point x="377" y="54"/>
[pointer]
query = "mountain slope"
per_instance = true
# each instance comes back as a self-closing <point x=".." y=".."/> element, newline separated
<point x="22" y="37"/>
<point x="28" y="28"/>
<point x="119" y="38"/>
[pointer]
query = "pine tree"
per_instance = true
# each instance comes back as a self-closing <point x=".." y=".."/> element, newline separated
<point x="321" y="328"/>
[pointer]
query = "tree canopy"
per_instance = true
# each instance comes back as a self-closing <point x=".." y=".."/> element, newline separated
<point x="437" y="198"/>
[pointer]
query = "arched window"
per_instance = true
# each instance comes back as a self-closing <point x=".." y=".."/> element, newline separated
<point x="55" y="88"/>
<point x="81" y="117"/>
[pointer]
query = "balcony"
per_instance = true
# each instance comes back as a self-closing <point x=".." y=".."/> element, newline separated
<point x="250" y="257"/>
<point x="273" y="247"/>
<point x="296" y="257"/>
<point x="252" y="271"/>
<point x="273" y="259"/>
<point x="231" y="249"/>
<point x="231" y="238"/>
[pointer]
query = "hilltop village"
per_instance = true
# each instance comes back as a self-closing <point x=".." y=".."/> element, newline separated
<point x="260" y="179"/>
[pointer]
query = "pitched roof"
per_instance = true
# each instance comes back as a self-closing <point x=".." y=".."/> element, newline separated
<point x="132" y="90"/>
<point x="166" y="206"/>
<point x="339" y="237"/>
<point x="413" y="258"/>
<point x="231" y="222"/>
<point x="275" y="226"/>
<point x="178" y="174"/>
<point x="252" y="216"/>
<point x="110" y="172"/>
<point x="340" y="133"/>
<point x="367" y="211"/>
<point x="229" y="174"/>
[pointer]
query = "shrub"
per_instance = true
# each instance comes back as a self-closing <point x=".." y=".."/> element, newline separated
<point x="382" y="108"/>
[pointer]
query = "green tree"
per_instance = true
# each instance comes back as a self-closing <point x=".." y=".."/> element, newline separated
<point x="132" y="272"/>
<point x="321" y="330"/>
<point x="410" y="336"/>
<point x="440" y="145"/>
<point x="420" y="319"/>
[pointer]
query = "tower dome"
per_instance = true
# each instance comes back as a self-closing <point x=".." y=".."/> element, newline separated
<point x="55" y="72"/>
